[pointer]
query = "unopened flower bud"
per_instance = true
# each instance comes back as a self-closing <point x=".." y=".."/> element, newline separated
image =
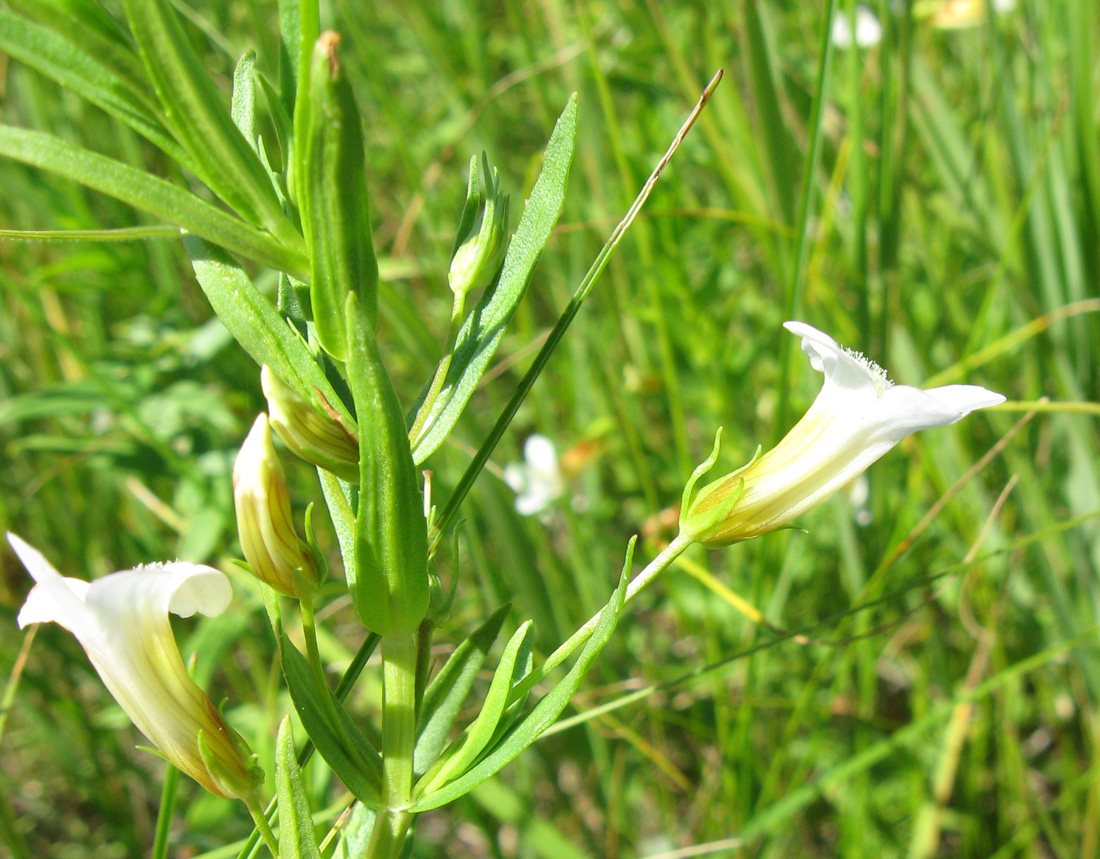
<point x="310" y="433"/>
<point x="481" y="239"/>
<point x="268" y="538"/>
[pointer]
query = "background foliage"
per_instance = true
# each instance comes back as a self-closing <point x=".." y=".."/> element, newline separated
<point x="941" y="698"/>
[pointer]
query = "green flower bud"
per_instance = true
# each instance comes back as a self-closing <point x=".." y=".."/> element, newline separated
<point x="313" y="435"/>
<point x="333" y="199"/>
<point x="482" y="231"/>
<point x="269" y="539"/>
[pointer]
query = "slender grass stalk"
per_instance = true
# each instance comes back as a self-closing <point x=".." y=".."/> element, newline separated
<point x="165" y="812"/>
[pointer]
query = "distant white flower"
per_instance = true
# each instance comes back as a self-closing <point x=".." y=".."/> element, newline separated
<point x="868" y="29"/>
<point x="121" y="620"/>
<point x="538" y="480"/>
<point x="859" y="496"/>
<point x="857" y="417"/>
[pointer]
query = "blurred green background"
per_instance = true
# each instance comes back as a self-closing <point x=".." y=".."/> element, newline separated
<point x="939" y="212"/>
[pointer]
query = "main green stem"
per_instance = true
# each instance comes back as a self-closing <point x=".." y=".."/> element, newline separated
<point x="391" y="823"/>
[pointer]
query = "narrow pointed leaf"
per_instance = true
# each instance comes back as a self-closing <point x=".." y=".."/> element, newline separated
<point x="481" y="332"/>
<point x="448" y="690"/>
<point x="74" y="68"/>
<point x="155" y="196"/>
<point x="242" y="104"/>
<point x="542" y="715"/>
<point x="199" y="120"/>
<point x="331" y="730"/>
<point x="255" y="323"/>
<point x="339" y="498"/>
<point x="92" y="26"/>
<point x="476" y="737"/>
<point x="390" y="585"/>
<point x="296" y="837"/>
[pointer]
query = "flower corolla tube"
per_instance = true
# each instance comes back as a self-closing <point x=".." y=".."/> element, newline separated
<point x="121" y="620"/>
<point x="858" y="416"/>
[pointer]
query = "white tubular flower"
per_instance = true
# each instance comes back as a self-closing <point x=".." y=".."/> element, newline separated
<point x="264" y="523"/>
<point x="858" y="416"/>
<point x="121" y="620"/>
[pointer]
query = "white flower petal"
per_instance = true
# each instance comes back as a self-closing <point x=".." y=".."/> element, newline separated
<point x="539" y="453"/>
<point x="121" y="621"/>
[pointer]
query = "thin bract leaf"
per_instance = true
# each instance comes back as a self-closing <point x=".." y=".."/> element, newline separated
<point x="448" y="690"/>
<point x="390" y="584"/>
<point x="332" y="731"/>
<point x="199" y="120"/>
<point x="76" y="69"/>
<point x="476" y="737"/>
<point x="296" y="837"/>
<point x="543" y="715"/>
<point x="242" y="105"/>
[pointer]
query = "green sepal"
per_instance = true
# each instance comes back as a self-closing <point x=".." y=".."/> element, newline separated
<point x="447" y="692"/>
<point x="331" y="730"/>
<point x="528" y="729"/>
<point x="482" y="236"/>
<point x="228" y="782"/>
<point x="313" y="549"/>
<point x="297" y="839"/>
<point x="696" y="524"/>
<point x="706" y="465"/>
<point x="389" y="576"/>
<point x="242" y="103"/>
<point x="333" y="200"/>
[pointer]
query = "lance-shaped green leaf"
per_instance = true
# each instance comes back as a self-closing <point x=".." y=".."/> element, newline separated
<point x="199" y="120"/>
<point x="466" y="749"/>
<point x="255" y="323"/>
<point x="331" y="730"/>
<point x="242" y="103"/>
<point x="97" y="32"/>
<point x="83" y="72"/>
<point x="390" y="583"/>
<point x="481" y="332"/>
<point x="331" y="184"/>
<point x="161" y="199"/>
<point x="296" y="837"/>
<point x="542" y="715"/>
<point x="448" y="690"/>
